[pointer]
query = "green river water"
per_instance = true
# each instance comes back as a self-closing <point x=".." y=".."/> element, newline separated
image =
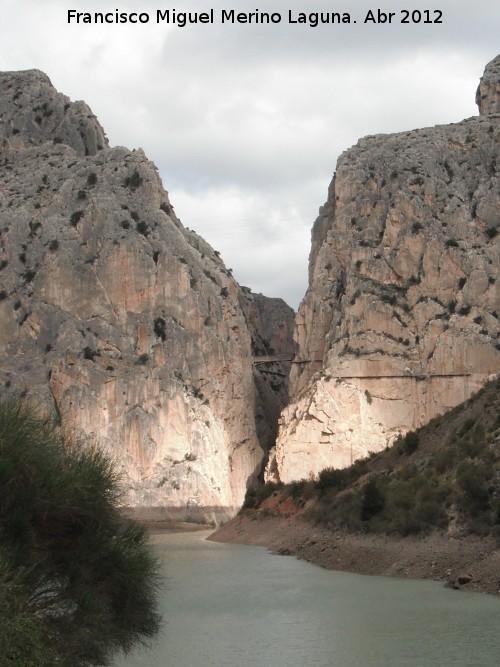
<point x="228" y="605"/>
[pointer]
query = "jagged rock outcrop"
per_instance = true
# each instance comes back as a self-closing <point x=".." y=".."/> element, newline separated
<point x="32" y="112"/>
<point x="400" y="320"/>
<point x="488" y="91"/>
<point x="117" y="316"/>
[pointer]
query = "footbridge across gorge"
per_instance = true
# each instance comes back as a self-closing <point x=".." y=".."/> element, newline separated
<point x="271" y="358"/>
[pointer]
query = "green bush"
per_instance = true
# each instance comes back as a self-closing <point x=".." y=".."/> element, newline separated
<point x="250" y="498"/>
<point x="373" y="500"/>
<point x="443" y="459"/>
<point x="337" y="479"/>
<point x="409" y="443"/>
<point x="473" y="479"/>
<point x="78" y="582"/>
<point x="255" y="495"/>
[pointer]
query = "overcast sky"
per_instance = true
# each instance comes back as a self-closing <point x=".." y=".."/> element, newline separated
<point x="246" y="122"/>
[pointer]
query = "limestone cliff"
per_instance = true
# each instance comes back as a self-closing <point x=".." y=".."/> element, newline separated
<point x="400" y="320"/>
<point x="488" y="91"/>
<point x="117" y="316"/>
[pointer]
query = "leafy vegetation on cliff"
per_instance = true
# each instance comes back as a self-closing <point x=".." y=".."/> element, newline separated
<point x="445" y="476"/>
<point x="77" y="580"/>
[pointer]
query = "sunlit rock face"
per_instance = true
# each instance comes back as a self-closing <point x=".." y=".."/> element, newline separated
<point x="119" y="318"/>
<point x="400" y="320"/>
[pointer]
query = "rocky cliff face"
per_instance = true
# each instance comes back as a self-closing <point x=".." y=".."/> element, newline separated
<point x="400" y="320"/>
<point x="118" y="317"/>
<point x="488" y="92"/>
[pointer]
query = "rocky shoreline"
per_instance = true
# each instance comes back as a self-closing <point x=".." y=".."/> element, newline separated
<point x="469" y="563"/>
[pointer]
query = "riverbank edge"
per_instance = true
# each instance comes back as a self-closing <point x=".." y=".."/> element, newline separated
<point x="469" y="563"/>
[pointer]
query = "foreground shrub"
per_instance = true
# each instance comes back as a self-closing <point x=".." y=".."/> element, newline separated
<point x="78" y="583"/>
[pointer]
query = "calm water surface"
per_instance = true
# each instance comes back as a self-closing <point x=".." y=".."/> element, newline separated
<point x="228" y="605"/>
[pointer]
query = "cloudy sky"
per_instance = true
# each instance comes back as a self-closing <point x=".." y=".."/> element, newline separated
<point x="246" y="121"/>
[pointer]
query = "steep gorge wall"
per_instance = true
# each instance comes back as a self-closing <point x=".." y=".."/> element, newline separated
<point x="119" y="318"/>
<point x="400" y="320"/>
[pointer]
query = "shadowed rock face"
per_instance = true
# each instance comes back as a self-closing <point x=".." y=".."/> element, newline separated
<point x="118" y="317"/>
<point x="400" y="320"/>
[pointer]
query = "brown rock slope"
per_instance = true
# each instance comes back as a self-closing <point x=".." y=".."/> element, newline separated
<point x="400" y="320"/>
<point x="118" y="317"/>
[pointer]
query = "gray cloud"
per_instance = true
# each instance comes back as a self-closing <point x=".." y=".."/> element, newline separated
<point x="246" y="122"/>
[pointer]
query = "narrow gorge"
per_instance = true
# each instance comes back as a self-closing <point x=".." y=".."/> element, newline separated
<point x="128" y="325"/>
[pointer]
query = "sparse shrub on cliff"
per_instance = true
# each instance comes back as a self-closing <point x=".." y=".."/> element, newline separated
<point x="28" y="275"/>
<point x="134" y="181"/>
<point x="449" y="170"/>
<point x="473" y="478"/>
<point x="336" y="479"/>
<point x="410" y="442"/>
<point x="77" y="580"/>
<point x="160" y="328"/>
<point x="443" y="459"/>
<point x="373" y="500"/>
<point x="34" y="226"/>
<point x="89" y="353"/>
<point x="76" y="217"/>
<point x="166" y="208"/>
<point x="142" y="228"/>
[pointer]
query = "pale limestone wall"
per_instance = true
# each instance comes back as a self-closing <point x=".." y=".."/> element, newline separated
<point x="117" y="316"/>
<point x="403" y="290"/>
